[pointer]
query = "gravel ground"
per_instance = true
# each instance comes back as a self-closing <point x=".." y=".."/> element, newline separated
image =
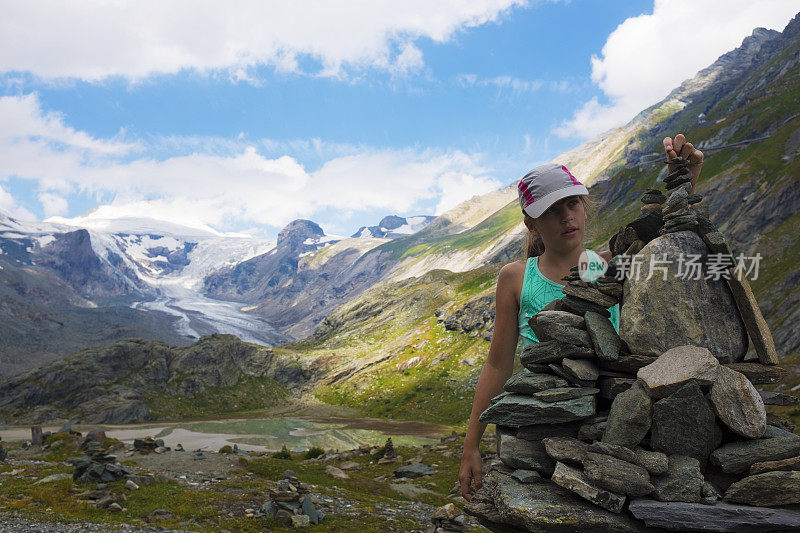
<point x="13" y="522"/>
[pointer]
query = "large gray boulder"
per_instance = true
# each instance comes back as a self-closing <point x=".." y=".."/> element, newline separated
<point x="505" y="504"/>
<point x="660" y="314"/>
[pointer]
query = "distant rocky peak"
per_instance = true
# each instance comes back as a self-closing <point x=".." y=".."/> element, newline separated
<point x="393" y="226"/>
<point x="392" y="222"/>
<point x="298" y="231"/>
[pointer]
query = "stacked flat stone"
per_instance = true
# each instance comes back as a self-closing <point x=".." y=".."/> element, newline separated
<point x="290" y="503"/>
<point x="675" y="212"/>
<point x="97" y="466"/>
<point x="556" y="395"/>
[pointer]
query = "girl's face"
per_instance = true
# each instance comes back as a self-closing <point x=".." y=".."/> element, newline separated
<point x="563" y="224"/>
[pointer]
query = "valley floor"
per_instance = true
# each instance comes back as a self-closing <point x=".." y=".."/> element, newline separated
<point x="224" y="491"/>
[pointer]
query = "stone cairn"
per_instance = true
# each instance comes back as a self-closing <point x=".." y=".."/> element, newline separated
<point x="290" y="503"/>
<point x="672" y="435"/>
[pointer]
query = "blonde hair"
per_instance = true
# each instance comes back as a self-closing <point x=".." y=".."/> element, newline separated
<point x="534" y="245"/>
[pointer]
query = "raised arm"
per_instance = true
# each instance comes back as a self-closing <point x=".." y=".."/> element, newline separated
<point x="496" y="371"/>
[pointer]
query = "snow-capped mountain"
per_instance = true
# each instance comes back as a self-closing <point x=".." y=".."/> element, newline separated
<point x="394" y="226"/>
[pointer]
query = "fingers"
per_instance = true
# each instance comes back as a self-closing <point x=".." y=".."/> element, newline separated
<point x="677" y="145"/>
<point x="668" y="148"/>
<point x="466" y="490"/>
<point x="686" y="150"/>
<point x="696" y="157"/>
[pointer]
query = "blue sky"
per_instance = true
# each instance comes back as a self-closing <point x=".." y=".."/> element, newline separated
<point x="249" y="115"/>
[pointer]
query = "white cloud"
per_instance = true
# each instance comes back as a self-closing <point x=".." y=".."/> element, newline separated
<point x="501" y="83"/>
<point x="240" y="186"/>
<point x="9" y="205"/>
<point x="92" y="40"/>
<point x="53" y="204"/>
<point x="647" y="56"/>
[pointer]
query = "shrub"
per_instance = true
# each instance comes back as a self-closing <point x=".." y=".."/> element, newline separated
<point x="314" y="452"/>
<point x="226" y="449"/>
<point x="283" y="454"/>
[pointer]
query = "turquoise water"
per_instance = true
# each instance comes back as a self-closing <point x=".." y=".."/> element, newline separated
<point x="301" y="434"/>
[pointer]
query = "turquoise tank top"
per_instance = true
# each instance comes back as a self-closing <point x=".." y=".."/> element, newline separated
<point x="538" y="291"/>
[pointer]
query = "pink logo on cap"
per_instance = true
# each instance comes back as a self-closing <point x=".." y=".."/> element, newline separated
<point x="576" y="182"/>
<point x="525" y="193"/>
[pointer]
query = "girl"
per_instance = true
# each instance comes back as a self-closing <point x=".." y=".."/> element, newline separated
<point x="554" y="208"/>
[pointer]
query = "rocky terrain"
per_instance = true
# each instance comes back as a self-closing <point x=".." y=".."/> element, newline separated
<point x="64" y="483"/>
<point x="136" y="381"/>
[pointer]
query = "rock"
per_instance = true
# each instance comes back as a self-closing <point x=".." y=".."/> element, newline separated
<point x="517" y="410"/>
<point x="161" y="513"/>
<point x="560" y="326"/>
<point x="629" y="364"/>
<point x="573" y="479"/>
<point x="54" y="477"/>
<point x="411" y="490"/>
<point x="684" y="424"/>
<point x="590" y="294"/>
<point x="350" y="465"/>
<point x="309" y="509"/>
<point x="114" y="507"/>
<point x="610" y="388"/>
<point x="526" y="454"/>
<point x="766" y="490"/>
<point x="738" y="404"/>
<point x="526" y="476"/>
<point x="530" y="383"/>
<point x="630" y="417"/>
<point x="683" y="481"/>
<point x="564" y="393"/>
<point x="679" y="308"/>
<point x="656" y="463"/>
<point x="777" y="398"/>
<point x="620" y="452"/>
<point x="683" y="516"/>
<point x="604" y="337"/>
<point x="780" y="422"/>
<point x="616" y="475"/>
<point x="759" y="374"/>
<point x="284" y="517"/>
<point x="300" y="520"/>
<point x="505" y="504"/>
<point x="565" y="449"/>
<point x="591" y="432"/>
<point x="540" y="431"/>
<point x="414" y="470"/>
<point x="36" y="436"/>
<point x="791" y="464"/>
<point x="269" y="508"/>
<point x="130" y="485"/>
<point x="580" y="369"/>
<point x="96" y="435"/>
<point x="579" y="306"/>
<point x="737" y="457"/>
<point x="3" y="454"/>
<point x="757" y="328"/>
<point x="559" y="371"/>
<point x="546" y="352"/>
<point x="446" y="512"/>
<point x="677" y="366"/>
<point x="336" y="472"/>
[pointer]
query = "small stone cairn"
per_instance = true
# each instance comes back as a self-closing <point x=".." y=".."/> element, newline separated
<point x="679" y="441"/>
<point x="290" y="503"/>
<point x="96" y="466"/>
<point x="447" y="519"/>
